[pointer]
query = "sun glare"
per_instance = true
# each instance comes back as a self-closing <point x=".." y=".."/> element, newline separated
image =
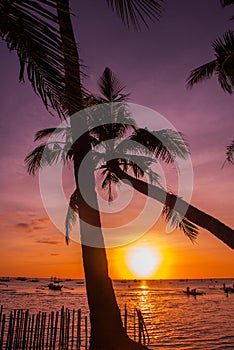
<point x="144" y="262"/>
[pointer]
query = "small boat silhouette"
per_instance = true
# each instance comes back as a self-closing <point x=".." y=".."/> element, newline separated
<point x="54" y="284"/>
<point x="193" y="292"/>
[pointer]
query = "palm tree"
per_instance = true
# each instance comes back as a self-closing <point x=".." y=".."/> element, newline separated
<point x="119" y="158"/>
<point x="42" y="35"/>
<point x="222" y="66"/>
<point x="128" y="147"/>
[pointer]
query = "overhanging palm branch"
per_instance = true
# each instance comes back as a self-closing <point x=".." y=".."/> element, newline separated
<point x="222" y="65"/>
<point x="31" y="29"/>
<point x="136" y="12"/>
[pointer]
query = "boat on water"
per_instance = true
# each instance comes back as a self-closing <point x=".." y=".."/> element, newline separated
<point x="193" y="292"/>
<point x="228" y="289"/>
<point x="55" y="284"/>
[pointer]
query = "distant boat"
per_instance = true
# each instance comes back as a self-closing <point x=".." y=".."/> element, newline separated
<point x="54" y="284"/>
<point x="192" y="292"/>
<point x="34" y="280"/>
<point x="228" y="289"/>
<point x="21" y="279"/>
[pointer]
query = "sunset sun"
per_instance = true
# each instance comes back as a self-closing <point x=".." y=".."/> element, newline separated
<point x="144" y="262"/>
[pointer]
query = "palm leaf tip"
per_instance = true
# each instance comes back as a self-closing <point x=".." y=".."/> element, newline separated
<point x="33" y="160"/>
<point x="176" y="221"/>
<point x="71" y="217"/>
<point x="190" y="230"/>
<point x="111" y="87"/>
<point x="48" y="132"/>
<point x="136" y="12"/>
<point x="201" y="73"/>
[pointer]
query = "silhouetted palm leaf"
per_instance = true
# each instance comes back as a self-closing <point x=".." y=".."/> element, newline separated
<point x="72" y="212"/>
<point x="109" y="179"/>
<point x="136" y="12"/>
<point x="46" y="154"/>
<point x="165" y="144"/>
<point x="176" y="221"/>
<point x="34" y="159"/>
<point x="31" y="29"/>
<point x="222" y="66"/>
<point x="49" y="131"/>
<point x="189" y="229"/>
<point x="230" y="153"/>
<point x="201" y="73"/>
<point x="111" y="87"/>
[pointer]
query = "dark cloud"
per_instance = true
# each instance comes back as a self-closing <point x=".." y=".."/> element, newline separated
<point x="23" y="225"/>
<point x="33" y="225"/>
<point x="54" y="254"/>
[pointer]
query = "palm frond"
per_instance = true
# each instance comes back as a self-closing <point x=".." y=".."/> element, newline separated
<point x="33" y="159"/>
<point x="230" y="153"/>
<point x="224" y="46"/>
<point x="190" y="230"/>
<point x="201" y="73"/>
<point x="109" y="180"/>
<point x="139" y="165"/>
<point x="49" y="131"/>
<point x="225" y="82"/>
<point x="45" y="154"/>
<point x="72" y="212"/>
<point x="30" y="28"/>
<point x="136" y="12"/>
<point x="111" y="87"/>
<point x="154" y="178"/>
<point x="165" y="144"/>
<point x="176" y="221"/>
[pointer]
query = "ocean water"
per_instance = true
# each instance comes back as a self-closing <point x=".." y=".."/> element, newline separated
<point x="173" y="319"/>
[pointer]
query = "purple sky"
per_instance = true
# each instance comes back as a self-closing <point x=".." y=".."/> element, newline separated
<point x="154" y="65"/>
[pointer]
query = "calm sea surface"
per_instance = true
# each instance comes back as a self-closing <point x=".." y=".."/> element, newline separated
<point x="173" y="319"/>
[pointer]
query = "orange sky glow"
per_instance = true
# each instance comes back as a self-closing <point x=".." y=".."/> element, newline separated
<point x="154" y="66"/>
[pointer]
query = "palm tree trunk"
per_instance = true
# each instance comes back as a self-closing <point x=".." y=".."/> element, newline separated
<point x="107" y="331"/>
<point x="198" y="217"/>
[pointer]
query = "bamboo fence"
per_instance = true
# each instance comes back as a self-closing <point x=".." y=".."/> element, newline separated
<point x="58" y="330"/>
